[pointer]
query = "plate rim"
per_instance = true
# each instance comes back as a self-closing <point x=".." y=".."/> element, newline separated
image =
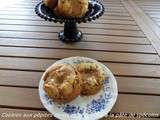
<point x="113" y="83"/>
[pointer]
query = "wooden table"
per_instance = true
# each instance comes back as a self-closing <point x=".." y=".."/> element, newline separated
<point x="126" y="39"/>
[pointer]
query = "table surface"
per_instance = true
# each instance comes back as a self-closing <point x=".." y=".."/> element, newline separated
<point x="126" y="39"/>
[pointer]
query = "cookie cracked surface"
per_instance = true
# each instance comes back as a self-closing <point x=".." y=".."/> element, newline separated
<point x="92" y="78"/>
<point x="62" y="83"/>
<point x="68" y="8"/>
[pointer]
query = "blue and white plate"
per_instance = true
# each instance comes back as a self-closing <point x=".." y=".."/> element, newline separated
<point x="83" y="107"/>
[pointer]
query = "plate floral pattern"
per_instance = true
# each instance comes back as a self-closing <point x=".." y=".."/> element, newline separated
<point x="83" y="107"/>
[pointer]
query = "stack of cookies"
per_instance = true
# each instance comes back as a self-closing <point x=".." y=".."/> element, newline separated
<point x="68" y="8"/>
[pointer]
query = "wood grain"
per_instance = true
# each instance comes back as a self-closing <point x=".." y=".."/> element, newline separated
<point x="125" y="102"/>
<point x="51" y="35"/>
<point x="145" y="23"/>
<point x="54" y="53"/>
<point x="133" y="48"/>
<point x="32" y="13"/>
<point x="117" y="68"/>
<point x="83" y="25"/>
<point x="16" y="17"/>
<point x="153" y="12"/>
<point x="31" y="79"/>
<point x="121" y="39"/>
<point x="90" y="38"/>
<point x="42" y="22"/>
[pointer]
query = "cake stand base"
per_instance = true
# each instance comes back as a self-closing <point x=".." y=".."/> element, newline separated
<point x="75" y="38"/>
<point x="70" y="33"/>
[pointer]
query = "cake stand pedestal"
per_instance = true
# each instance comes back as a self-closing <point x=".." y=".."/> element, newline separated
<point x="71" y="32"/>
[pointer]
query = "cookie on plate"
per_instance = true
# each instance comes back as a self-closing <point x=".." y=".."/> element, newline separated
<point x="92" y="76"/>
<point x="62" y="83"/>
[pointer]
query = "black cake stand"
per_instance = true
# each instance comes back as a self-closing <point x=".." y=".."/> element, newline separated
<point x="71" y="32"/>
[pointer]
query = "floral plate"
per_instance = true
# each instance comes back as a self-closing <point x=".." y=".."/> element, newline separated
<point x="83" y="107"/>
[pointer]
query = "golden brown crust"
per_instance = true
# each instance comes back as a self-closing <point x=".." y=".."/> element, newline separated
<point x="68" y="8"/>
<point x="72" y="8"/>
<point x="51" y="3"/>
<point x="92" y="78"/>
<point x="63" y="83"/>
